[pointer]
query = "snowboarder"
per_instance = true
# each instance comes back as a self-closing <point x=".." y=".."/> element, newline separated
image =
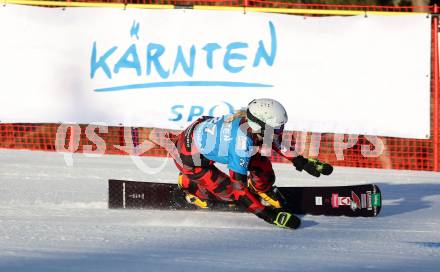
<point x="236" y="140"/>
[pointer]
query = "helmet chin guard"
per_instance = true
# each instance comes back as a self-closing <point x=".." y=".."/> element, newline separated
<point x="265" y="112"/>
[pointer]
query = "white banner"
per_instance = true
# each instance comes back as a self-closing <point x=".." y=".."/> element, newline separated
<point x="164" y="68"/>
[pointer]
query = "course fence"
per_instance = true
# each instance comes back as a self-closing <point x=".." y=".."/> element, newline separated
<point x="340" y="150"/>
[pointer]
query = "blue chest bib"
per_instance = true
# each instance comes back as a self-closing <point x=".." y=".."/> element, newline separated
<point x="224" y="142"/>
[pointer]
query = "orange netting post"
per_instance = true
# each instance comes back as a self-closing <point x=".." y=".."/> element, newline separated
<point x="435" y="86"/>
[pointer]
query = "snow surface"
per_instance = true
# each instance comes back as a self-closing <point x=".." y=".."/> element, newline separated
<point x="54" y="217"/>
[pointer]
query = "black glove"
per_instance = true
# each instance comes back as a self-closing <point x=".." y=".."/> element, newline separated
<point x="312" y="166"/>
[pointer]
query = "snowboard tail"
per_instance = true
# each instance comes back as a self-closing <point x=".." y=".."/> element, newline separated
<point x="354" y="201"/>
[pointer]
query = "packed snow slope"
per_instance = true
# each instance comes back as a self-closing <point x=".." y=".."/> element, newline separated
<point x="54" y="217"/>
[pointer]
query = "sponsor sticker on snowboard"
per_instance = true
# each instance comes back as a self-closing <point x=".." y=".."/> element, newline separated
<point x="369" y="200"/>
<point x="335" y="201"/>
<point x="356" y="201"/>
<point x="318" y="201"/>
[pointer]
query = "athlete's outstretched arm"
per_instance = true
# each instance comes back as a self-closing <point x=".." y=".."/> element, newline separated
<point x="312" y="166"/>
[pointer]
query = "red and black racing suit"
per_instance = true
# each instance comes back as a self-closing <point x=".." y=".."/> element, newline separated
<point x="203" y="179"/>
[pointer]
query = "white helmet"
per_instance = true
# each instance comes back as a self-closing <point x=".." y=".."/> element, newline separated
<point x="264" y="112"/>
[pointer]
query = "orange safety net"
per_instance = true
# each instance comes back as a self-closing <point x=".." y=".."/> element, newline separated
<point x="340" y="150"/>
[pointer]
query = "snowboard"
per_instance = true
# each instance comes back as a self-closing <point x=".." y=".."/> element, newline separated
<point x="354" y="201"/>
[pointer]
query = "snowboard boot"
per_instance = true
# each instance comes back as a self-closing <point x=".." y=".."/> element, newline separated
<point x="184" y="183"/>
<point x="287" y="220"/>
<point x="280" y="218"/>
<point x="272" y="197"/>
<point x="192" y="199"/>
